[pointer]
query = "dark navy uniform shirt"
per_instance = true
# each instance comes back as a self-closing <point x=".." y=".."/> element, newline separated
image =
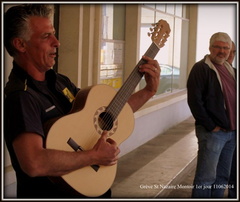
<point x="28" y="105"/>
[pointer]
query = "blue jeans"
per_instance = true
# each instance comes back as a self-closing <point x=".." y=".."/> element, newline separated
<point x="232" y="189"/>
<point x="215" y="152"/>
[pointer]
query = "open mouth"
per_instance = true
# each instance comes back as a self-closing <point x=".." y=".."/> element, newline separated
<point x="53" y="55"/>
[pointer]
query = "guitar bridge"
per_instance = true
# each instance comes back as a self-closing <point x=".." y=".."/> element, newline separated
<point x="77" y="147"/>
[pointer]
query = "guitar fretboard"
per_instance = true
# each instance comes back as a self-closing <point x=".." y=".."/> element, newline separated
<point x="130" y="84"/>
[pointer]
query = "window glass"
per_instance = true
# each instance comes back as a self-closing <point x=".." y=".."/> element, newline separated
<point x="107" y="17"/>
<point x="111" y="67"/>
<point x="170" y="8"/>
<point x="161" y="7"/>
<point x="177" y="35"/>
<point x="147" y="16"/>
<point x="172" y="57"/>
<point x="178" y="10"/>
<point x="112" y="45"/>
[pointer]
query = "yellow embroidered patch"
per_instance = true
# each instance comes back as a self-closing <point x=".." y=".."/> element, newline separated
<point x="68" y="94"/>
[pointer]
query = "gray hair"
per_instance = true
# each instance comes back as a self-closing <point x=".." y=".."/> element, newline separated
<point x="16" y="22"/>
<point x="220" y="36"/>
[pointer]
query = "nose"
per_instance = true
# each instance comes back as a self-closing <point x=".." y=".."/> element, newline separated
<point x="56" y="43"/>
<point x="221" y="49"/>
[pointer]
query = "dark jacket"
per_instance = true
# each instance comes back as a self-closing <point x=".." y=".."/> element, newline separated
<point x="205" y="96"/>
<point x="21" y="85"/>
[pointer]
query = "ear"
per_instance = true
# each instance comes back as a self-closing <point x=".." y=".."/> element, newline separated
<point x="19" y="44"/>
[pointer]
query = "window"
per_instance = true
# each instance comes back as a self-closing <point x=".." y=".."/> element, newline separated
<point x="112" y="45"/>
<point x="173" y="56"/>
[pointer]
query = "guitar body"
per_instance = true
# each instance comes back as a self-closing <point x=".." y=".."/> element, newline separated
<point x="95" y="109"/>
<point x="82" y="125"/>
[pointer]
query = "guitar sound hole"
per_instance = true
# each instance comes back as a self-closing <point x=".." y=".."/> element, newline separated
<point x="105" y="121"/>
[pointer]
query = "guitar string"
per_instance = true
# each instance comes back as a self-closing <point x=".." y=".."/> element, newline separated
<point x="151" y="52"/>
<point x="125" y="92"/>
<point x="120" y="99"/>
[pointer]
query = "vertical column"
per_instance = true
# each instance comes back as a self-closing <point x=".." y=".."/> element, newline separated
<point x="70" y="40"/>
<point x="132" y="36"/>
<point x="192" y="43"/>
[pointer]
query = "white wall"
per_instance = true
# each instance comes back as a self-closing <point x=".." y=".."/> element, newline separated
<point x="214" y="18"/>
<point x="154" y="124"/>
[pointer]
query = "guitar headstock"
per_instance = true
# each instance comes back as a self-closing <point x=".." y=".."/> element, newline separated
<point x="160" y="33"/>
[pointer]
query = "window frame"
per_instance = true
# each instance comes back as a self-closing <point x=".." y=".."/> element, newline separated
<point x="176" y="50"/>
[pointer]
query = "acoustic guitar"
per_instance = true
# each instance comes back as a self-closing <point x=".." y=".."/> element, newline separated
<point x="95" y="109"/>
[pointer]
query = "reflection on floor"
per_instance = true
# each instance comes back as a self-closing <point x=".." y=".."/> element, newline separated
<point x="157" y="168"/>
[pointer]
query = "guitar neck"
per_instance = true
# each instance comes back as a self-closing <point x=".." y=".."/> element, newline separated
<point x="130" y="84"/>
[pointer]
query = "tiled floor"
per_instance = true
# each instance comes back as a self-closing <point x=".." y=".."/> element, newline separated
<point x="186" y="182"/>
<point x="169" y="158"/>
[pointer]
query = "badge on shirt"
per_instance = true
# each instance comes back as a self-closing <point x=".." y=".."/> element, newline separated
<point x="68" y="94"/>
